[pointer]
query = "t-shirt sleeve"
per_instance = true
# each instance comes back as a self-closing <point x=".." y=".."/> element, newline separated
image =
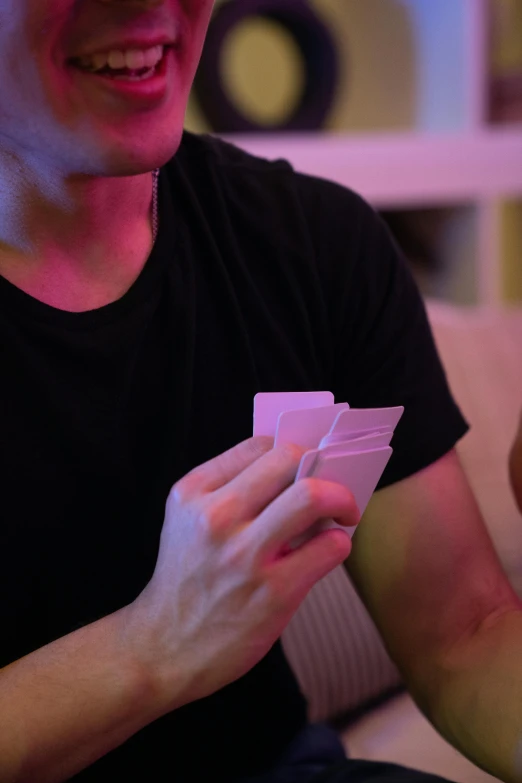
<point x="384" y="351"/>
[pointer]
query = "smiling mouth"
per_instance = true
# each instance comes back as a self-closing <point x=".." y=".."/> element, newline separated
<point x="124" y="65"/>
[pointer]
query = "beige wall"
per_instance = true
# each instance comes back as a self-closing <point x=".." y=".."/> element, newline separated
<point x="507" y="34"/>
<point x="511" y="250"/>
<point x="377" y="48"/>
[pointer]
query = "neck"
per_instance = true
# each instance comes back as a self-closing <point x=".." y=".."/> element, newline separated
<point x="74" y="242"/>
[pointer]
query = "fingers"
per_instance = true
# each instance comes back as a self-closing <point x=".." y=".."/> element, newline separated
<point x="249" y="490"/>
<point x="311" y="562"/>
<point x="297" y="509"/>
<point x="259" y="483"/>
<point x="225" y="467"/>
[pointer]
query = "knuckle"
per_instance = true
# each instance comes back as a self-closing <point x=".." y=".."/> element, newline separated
<point x="187" y="488"/>
<point x="216" y="519"/>
<point x="209" y="519"/>
<point x="180" y="492"/>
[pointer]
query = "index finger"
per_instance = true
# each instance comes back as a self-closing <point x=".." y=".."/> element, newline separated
<point x="220" y="470"/>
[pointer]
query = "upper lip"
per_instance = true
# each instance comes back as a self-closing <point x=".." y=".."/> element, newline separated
<point x="125" y="44"/>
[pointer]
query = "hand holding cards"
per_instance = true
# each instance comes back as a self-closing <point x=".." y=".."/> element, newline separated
<point x="345" y="445"/>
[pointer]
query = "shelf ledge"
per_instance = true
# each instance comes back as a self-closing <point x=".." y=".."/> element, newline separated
<point x="405" y="169"/>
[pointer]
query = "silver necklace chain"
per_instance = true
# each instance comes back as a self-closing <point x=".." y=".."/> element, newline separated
<point x="155" y="209"/>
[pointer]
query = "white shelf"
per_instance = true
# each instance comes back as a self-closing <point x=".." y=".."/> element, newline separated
<point x="451" y="158"/>
<point x="406" y="169"/>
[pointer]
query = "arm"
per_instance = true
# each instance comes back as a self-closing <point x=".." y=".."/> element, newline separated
<point x="425" y="566"/>
<point x="67" y="704"/>
<point x="224" y="588"/>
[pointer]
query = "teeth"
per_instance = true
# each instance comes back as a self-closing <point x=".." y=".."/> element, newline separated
<point x="132" y="59"/>
<point x="153" y="56"/>
<point x="116" y="60"/>
<point x="99" y="61"/>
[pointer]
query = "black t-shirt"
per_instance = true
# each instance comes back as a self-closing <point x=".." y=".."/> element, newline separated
<point x="261" y="279"/>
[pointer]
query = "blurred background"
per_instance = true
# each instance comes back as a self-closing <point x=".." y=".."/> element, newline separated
<point x="416" y="104"/>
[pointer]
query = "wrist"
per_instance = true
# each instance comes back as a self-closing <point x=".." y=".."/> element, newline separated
<point x="160" y="681"/>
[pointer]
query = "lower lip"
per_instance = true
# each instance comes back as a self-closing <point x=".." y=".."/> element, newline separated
<point x="146" y="92"/>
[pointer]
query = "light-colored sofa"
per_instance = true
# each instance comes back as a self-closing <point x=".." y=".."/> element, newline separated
<point x="332" y="643"/>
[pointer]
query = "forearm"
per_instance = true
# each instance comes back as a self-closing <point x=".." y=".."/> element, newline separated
<point x="474" y="697"/>
<point x="69" y="703"/>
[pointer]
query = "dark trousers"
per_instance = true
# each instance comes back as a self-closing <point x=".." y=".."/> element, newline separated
<point x="355" y="771"/>
<point x="317" y="756"/>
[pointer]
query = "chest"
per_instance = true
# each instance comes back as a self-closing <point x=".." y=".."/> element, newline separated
<point x="96" y="426"/>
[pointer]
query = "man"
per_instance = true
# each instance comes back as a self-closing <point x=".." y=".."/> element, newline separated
<point x="145" y="570"/>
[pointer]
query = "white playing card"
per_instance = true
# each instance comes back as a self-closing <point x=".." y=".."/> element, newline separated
<point x="360" y="472"/>
<point x="347" y="446"/>
<point x="342" y="438"/>
<point x="356" y="420"/>
<point x="306" y="465"/>
<point x="366" y="442"/>
<point x="269" y="405"/>
<point x="305" y="428"/>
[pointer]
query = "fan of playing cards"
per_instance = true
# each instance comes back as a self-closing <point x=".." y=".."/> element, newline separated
<point x="346" y="445"/>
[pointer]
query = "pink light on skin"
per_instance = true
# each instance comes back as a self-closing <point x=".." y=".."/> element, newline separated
<point x="148" y="94"/>
<point x="78" y="148"/>
<point x="50" y="107"/>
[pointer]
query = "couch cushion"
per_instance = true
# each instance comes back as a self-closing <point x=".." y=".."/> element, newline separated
<point x="399" y="733"/>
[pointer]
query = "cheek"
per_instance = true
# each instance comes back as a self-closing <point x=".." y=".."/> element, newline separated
<point x="197" y="15"/>
<point x="22" y="90"/>
<point x="39" y="100"/>
<point x="28" y="73"/>
<point x="46" y="88"/>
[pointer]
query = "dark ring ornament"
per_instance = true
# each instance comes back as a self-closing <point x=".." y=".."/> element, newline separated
<point x="319" y="54"/>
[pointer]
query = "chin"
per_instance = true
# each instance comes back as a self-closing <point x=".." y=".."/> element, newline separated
<point x="128" y="155"/>
<point x="129" y="161"/>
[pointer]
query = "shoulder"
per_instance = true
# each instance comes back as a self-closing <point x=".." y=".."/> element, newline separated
<point x="307" y="216"/>
<point x="296" y="219"/>
<point x="241" y="169"/>
<point x="223" y="154"/>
